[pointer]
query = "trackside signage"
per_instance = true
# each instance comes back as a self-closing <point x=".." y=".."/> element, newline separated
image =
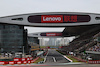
<point x="51" y="34"/>
<point x="59" y="18"/>
<point x="52" y="18"/>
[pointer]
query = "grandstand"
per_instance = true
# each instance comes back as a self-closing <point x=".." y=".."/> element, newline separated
<point x="94" y="48"/>
<point x="87" y="42"/>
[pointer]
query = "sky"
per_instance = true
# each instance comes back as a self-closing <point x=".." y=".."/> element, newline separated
<point x="14" y="7"/>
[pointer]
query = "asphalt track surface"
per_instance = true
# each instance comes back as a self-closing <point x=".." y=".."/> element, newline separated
<point x="55" y="57"/>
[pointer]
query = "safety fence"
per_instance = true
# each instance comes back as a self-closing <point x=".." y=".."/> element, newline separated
<point x="19" y="61"/>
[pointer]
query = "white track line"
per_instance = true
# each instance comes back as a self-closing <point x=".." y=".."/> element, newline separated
<point x="54" y="59"/>
<point x="67" y="58"/>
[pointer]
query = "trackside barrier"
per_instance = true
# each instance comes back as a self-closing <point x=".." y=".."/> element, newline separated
<point x="23" y="60"/>
<point x="94" y="61"/>
<point x="11" y="62"/>
<point x="32" y="61"/>
<point x="29" y="61"/>
<point x="31" y="58"/>
<point x="2" y="62"/>
<point x="7" y="62"/>
<point x="17" y="59"/>
<point x="20" y="61"/>
<point x="28" y="58"/>
<point x="79" y="59"/>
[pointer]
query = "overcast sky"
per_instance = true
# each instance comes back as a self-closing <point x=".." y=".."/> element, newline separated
<point x="13" y="7"/>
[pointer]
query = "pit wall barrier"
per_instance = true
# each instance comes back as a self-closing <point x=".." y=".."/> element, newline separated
<point x="19" y="61"/>
<point x="94" y="61"/>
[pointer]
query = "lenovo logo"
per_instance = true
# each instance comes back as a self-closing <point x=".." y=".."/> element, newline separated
<point x="51" y="19"/>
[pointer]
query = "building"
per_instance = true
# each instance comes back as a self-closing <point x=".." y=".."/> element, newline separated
<point x="46" y="43"/>
<point x="33" y="42"/>
<point x="52" y="41"/>
<point x="13" y="38"/>
<point x="58" y="42"/>
<point x="41" y="41"/>
<point x="64" y="42"/>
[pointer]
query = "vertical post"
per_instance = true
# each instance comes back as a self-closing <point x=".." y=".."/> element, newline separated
<point x="23" y="51"/>
<point x="63" y="41"/>
<point x="42" y="42"/>
<point x="55" y="42"/>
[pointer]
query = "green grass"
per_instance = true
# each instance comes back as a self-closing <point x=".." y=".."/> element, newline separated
<point x="73" y="59"/>
<point x="43" y="46"/>
<point x="40" y="59"/>
<point x="60" y="52"/>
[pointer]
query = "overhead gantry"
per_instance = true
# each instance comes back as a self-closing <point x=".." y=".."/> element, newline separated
<point x="75" y="23"/>
<point x="46" y="34"/>
<point x="53" y="19"/>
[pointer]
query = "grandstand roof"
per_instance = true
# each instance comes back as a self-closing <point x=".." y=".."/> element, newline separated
<point x="80" y="30"/>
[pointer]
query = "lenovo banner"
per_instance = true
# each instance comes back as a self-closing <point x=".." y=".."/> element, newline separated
<point x="51" y="34"/>
<point x="59" y="18"/>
